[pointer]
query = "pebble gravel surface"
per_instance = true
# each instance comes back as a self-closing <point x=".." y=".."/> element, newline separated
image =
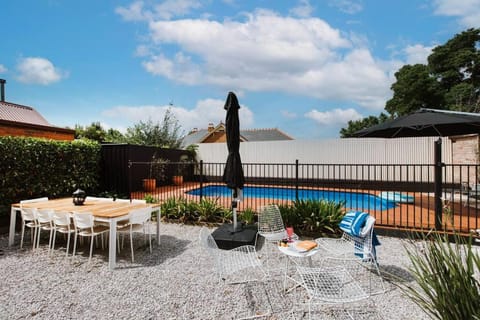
<point x="176" y="281"/>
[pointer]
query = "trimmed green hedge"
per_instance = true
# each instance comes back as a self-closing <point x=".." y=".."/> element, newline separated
<point x="31" y="167"/>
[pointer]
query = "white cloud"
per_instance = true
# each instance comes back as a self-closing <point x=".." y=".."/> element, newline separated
<point x="303" y="10"/>
<point x="347" y="6"/>
<point x="167" y="9"/>
<point x="3" y="68"/>
<point x="134" y="12"/>
<point x="467" y="11"/>
<point x="268" y="52"/>
<point x="333" y="117"/>
<point x="205" y="111"/>
<point x="142" y="51"/>
<point x="417" y="54"/>
<point x="288" y="114"/>
<point x="38" y="70"/>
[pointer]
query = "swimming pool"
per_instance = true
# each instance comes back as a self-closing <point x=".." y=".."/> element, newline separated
<point x="353" y="200"/>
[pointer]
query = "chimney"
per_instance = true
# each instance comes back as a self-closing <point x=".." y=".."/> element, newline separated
<point x="2" y="90"/>
<point x="210" y="127"/>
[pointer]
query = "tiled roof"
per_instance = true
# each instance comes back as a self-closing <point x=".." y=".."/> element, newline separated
<point x="249" y="135"/>
<point x="22" y="114"/>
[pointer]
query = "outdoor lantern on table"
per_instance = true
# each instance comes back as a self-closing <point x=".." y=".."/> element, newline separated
<point x="79" y="197"/>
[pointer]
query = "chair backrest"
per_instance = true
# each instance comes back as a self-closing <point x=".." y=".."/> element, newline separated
<point x="61" y="218"/>
<point x="206" y="240"/>
<point x="89" y="198"/>
<point x="140" y="216"/>
<point x="29" y="214"/>
<point x="83" y="220"/>
<point x="122" y="200"/>
<point x="139" y="201"/>
<point x="43" y="199"/>
<point x="44" y="215"/>
<point x="270" y="219"/>
<point x="363" y="244"/>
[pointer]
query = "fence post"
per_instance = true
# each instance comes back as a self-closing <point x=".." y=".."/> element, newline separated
<point x="296" y="179"/>
<point x="201" y="179"/>
<point x="438" y="184"/>
<point x="129" y="179"/>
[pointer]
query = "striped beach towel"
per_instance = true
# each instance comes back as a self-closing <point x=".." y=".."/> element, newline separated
<point x="352" y="223"/>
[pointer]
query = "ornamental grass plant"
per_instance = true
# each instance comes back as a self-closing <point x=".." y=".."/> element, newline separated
<point x="447" y="277"/>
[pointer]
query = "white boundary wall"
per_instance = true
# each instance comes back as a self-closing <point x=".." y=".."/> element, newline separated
<point x="333" y="151"/>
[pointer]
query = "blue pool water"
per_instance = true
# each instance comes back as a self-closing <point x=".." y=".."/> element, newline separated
<point x="353" y="200"/>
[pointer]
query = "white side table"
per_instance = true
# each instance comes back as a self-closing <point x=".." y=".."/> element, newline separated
<point x="293" y="253"/>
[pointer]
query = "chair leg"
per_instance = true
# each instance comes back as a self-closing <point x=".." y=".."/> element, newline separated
<point x="53" y="242"/>
<point x="91" y="248"/>
<point x="131" y="245"/>
<point x="68" y="244"/>
<point x="74" y="245"/>
<point x="50" y="242"/>
<point x="23" y="232"/>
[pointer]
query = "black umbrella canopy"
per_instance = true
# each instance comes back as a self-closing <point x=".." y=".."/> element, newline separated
<point x="425" y="123"/>
<point x="233" y="174"/>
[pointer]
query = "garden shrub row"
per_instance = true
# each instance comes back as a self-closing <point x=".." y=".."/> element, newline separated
<point x="308" y="217"/>
<point x="33" y="167"/>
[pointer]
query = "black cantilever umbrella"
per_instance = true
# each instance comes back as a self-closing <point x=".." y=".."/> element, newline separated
<point x="428" y="123"/>
<point x="233" y="174"/>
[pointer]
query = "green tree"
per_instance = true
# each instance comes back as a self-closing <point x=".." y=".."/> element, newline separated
<point x="415" y="88"/>
<point x="113" y="135"/>
<point x="450" y="80"/>
<point x="165" y="134"/>
<point x="93" y="132"/>
<point x="354" y="126"/>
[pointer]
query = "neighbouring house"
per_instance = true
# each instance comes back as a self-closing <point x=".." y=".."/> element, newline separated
<point x="216" y="134"/>
<point x="20" y="120"/>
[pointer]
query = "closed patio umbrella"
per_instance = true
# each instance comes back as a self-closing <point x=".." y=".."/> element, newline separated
<point x="233" y="173"/>
<point x="428" y="123"/>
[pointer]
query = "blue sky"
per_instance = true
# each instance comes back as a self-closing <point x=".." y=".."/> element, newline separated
<point x="303" y="66"/>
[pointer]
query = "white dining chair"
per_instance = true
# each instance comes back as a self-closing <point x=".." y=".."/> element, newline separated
<point x="29" y="220"/>
<point x="62" y="223"/>
<point x="45" y="222"/>
<point x="85" y="226"/>
<point x="138" y="222"/>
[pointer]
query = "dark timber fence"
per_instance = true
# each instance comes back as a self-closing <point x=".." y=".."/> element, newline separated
<point x="357" y="185"/>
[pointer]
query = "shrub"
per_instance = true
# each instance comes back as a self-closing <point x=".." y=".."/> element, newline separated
<point x="33" y="167"/>
<point x="447" y="275"/>
<point x="248" y="216"/>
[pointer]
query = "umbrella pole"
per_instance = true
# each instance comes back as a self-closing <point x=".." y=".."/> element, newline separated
<point x="234" y="209"/>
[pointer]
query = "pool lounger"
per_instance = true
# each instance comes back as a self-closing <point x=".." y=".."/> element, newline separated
<point x="396" y="197"/>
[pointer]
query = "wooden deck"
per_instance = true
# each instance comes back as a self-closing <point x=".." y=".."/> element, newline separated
<point x="418" y="216"/>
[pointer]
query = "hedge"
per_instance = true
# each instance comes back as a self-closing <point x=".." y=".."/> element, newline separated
<point x="32" y="167"/>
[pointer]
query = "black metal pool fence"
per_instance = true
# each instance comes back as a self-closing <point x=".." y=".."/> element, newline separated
<point x="455" y="183"/>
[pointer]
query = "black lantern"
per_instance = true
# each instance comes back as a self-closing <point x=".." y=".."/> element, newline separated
<point x="79" y="197"/>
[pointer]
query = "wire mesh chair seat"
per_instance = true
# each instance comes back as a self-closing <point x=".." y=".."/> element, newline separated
<point x="270" y="224"/>
<point x="330" y="285"/>
<point x="230" y="262"/>
<point x="351" y="247"/>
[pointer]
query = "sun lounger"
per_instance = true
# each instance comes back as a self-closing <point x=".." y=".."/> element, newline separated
<point x="396" y="197"/>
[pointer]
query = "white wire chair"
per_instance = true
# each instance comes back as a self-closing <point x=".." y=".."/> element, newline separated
<point x="138" y="222"/>
<point x="349" y="247"/>
<point x="332" y="284"/>
<point x="228" y="263"/>
<point x="62" y="223"/>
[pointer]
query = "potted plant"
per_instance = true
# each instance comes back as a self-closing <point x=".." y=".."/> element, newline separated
<point x="157" y="170"/>
<point x="180" y="171"/>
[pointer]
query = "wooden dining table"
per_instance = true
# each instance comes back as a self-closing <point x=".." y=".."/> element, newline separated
<point x="105" y="211"/>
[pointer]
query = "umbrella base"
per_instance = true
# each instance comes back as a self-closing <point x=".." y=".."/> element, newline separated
<point x="227" y="239"/>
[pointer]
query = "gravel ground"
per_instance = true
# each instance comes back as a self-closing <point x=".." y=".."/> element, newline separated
<point x="176" y="281"/>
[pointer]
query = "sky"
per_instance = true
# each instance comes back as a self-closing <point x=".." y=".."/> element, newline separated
<point x="306" y="67"/>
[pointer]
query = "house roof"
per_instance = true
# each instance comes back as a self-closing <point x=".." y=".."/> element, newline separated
<point x="22" y="114"/>
<point x="271" y="134"/>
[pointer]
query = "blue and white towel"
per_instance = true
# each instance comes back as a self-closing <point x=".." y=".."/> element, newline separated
<point x="352" y="223"/>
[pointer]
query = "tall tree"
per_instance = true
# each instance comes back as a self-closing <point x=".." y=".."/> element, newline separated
<point x="165" y="134"/>
<point x="450" y="80"/>
<point x="93" y="132"/>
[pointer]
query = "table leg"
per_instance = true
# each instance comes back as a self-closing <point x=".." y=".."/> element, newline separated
<point x="112" y="244"/>
<point x="11" y="232"/>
